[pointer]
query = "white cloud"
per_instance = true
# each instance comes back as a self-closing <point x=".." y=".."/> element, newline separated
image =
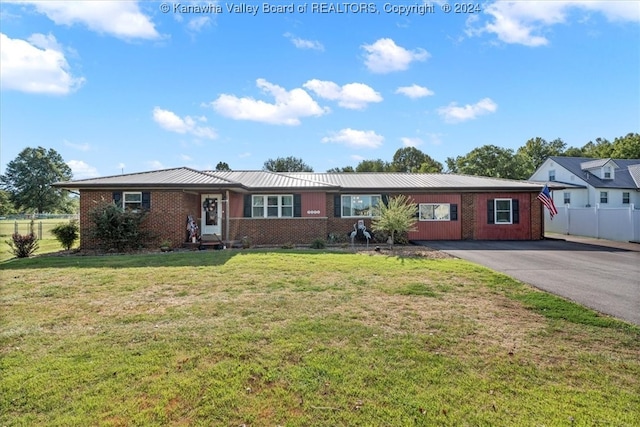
<point x="355" y="138"/>
<point x="121" y="19"/>
<point x="186" y="158"/>
<point x="304" y="44"/>
<point x="355" y="96"/>
<point x="170" y="121"/>
<point x="385" y="56"/>
<point x="245" y="154"/>
<point x="196" y="25"/>
<point x="80" y="147"/>
<point x="357" y="157"/>
<point x="454" y="114"/>
<point x="82" y="170"/>
<point x="288" y="108"/>
<point x="36" y="66"/>
<point x="121" y="166"/>
<point x="526" y="23"/>
<point x="414" y="91"/>
<point x="155" y="164"/>
<point x="411" y="142"/>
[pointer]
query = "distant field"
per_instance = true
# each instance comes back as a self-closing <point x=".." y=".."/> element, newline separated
<point x="42" y="228"/>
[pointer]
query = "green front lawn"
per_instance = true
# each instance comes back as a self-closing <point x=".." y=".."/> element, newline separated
<point x="296" y="338"/>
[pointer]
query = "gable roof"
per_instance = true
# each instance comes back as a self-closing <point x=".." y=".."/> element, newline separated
<point x="622" y="175"/>
<point x="187" y="178"/>
<point x="176" y="177"/>
<point x="598" y="163"/>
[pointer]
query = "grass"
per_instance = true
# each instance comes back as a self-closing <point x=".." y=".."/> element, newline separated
<point x="297" y="338"/>
<point x="47" y="243"/>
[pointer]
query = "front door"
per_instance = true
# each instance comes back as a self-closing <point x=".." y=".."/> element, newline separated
<point x="211" y="214"/>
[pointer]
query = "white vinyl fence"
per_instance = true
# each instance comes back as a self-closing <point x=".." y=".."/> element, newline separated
<point x="620" y="224"/>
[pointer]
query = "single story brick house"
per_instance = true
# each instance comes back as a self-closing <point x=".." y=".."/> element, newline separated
<point x="275" y="208"/>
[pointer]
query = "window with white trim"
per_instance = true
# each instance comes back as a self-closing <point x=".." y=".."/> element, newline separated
<point x="567" y="197"/>
<point x="132" y="200"/>
<point x="552" y="175"/>
<point x="503" y="211"/>
<point x="604" y="197"/>
<point x="626" y="197"/>
<point x="272" y="206"/>
<point x="434" y="212"/>
<point x="359" y="205"/>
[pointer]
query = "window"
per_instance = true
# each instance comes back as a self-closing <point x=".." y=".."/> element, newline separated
<point x="552" y="175"/>
<point x="607" y="172"/>
<point x="604" y="197"/>
<point x="625" y="197"/>
<point x="503" y="211"/>
<point x="272" y="206"/>
<point x="359" y="205"/>
<point x="434" y="212"/>
<point x="132" y="201"/>
<point x="567" y="198"/>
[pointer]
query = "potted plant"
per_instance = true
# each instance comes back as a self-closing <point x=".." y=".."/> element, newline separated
<point x="165" y="246"/>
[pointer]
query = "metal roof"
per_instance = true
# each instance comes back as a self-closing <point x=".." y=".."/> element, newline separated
<point x="177" y="177"/>
<point x="622" y="176"/>
<point x="253" y="180"/>
<point x="185" y="178"/>
<point x="413" y="181"/>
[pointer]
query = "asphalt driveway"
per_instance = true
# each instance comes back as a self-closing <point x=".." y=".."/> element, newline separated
<point x="605" y="278"/>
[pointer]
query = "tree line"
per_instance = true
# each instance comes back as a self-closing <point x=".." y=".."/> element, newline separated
<point x="26" y="184"/>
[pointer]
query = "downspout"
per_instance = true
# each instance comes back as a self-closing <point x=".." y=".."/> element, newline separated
<point x="226" y="217"/>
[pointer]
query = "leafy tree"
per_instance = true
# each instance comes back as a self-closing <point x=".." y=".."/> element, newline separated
<point x="600" y="149"/>
<point x="287" y="164"/>
<point x="535" y="151"/>
<point x="377" y="165"/>
<point x="573" y="152"/>
<point x="28" y="180"/>
<point x="488" y="160"/>
<point x="223" y="166"/>
<point x="66" y="233"/>
<point x="396" y="217"/>
<point x="6" y="206"/>
<point x="345" y="169"/>
<point x="410" y="159"/>
<point x="627" y="147"/>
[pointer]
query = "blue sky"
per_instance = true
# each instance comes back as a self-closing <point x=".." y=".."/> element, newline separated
<point x="132" y="86"/>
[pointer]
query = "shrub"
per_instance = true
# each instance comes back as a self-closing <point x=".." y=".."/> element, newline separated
<point x="23" y="245"/>
<point x="288" y="245"/>
<point x="66" y="233"/>
<point x="396" y="218"/>
<point x="318" y="244"/>
<point x="118" y="229"/>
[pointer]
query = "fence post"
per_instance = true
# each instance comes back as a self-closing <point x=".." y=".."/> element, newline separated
<point x="40" y="230"/>
<point x="15" y="227"/>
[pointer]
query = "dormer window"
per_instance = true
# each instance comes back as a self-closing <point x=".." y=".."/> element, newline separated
<point x="607" y="173"/>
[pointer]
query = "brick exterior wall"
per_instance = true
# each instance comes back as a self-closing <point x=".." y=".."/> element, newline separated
<point x="166" y="220"/>
<point x="278" y="231"/>
<point x="537" y="218"/>
<point x="467" y="216"/>
<point x="169" y="211"/>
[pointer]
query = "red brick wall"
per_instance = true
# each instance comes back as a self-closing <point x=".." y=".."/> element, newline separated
<point x="520" y="231"/>
<point x="166" y="220"/>
<point x="467" y="216"/>
<point x="277" y="231"/>
<point x="169" y="211"/>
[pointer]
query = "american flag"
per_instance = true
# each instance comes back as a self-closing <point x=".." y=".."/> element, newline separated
<point x="547" y="200"/>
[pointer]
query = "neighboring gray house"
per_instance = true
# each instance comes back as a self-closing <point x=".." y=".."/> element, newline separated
<point x="599" y="197"/>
